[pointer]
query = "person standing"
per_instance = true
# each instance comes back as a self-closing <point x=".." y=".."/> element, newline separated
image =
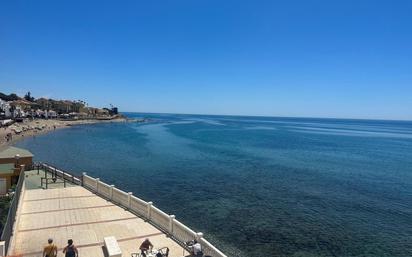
<point x="197" y="249"/>
<point x="70" y="250"/>
<point x="50" y="250"/>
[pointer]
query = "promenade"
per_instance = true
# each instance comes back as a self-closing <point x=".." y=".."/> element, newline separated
<point x="76" y="213"/>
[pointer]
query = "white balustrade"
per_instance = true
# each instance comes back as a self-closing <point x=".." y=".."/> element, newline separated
<point x="182" y="233"/>
<point x="89" y="182"/>
<point x="120" y="197"/>
<point x="129" y="199"/>
<point x="149" y="210"/>
<point x="199" y="235"/>
<point x="160" y="218"/>
<point x="138" y="206"/>
<point x="96" y="188"/>
<point x="104" y="190"/>
<point x="167" y="223"/>
<point x="111" y="192"/>
<point x="171" y="223"/>
<point x="209" y="249"/>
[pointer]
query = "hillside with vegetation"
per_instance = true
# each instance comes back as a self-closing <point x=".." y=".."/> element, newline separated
<point x="31" y="106"/>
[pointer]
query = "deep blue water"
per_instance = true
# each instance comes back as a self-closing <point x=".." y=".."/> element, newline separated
<point x="258" y="186"/>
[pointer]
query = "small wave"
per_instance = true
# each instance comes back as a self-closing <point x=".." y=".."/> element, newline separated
<point x="260" y="128"/>
<point x="345" y="132"/>
<point x="208" y="121"/>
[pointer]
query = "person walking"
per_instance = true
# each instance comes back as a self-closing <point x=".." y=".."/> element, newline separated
<point x="50" y="250"/>
<point x="70" y="250"/>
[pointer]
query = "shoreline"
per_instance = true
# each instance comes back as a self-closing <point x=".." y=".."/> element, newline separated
<point x="41" y="126"/>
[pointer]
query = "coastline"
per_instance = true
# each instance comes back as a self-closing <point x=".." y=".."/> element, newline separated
<point x="41" y="126"/>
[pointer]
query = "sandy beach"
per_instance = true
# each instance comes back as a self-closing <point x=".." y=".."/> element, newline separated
<point x="41" y="126"/>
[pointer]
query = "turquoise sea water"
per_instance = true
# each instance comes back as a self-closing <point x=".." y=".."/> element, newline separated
<point x="258" y="186"/>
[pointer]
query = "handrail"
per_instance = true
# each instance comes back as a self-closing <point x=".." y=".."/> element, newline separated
<point x="176" y="230"/>
<point x="7" y="232"/>
<point x="64" y="175"/>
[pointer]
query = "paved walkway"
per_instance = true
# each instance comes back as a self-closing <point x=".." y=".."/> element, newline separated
<point x="76" y="213"/>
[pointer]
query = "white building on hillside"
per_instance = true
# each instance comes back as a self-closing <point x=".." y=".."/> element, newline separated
<point x="5" y="108"/>
<point x="50" y="114"/>
<point x="18" y="112"/>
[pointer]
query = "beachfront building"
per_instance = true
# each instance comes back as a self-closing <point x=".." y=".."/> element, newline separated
<point x="21" y="104"/>
<point x="7" y="177"/>
<point x="13" y="161"/>
<point x="38" y="113"/>
<point x="5" y="109"/>
<point x="18" y="111"/>
<point x="48" y="114"/>
<point x="51" y="114"/>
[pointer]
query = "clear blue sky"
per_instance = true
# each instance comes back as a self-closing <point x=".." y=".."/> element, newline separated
<point x="280" y="58"/>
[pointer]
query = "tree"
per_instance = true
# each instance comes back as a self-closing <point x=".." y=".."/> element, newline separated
<point x="11" y="97"/>
<point x="28" y="97"/>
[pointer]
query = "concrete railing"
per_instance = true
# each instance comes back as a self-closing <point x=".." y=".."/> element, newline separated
<point x="209" y="249"/>
<point x="182" y="233"/>
<point x="163" y="221"/>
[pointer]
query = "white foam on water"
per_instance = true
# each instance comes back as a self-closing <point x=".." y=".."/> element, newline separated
<point x="208" y="121"/>
<point x="349" y="132"/>
<point x="260" y="128"/>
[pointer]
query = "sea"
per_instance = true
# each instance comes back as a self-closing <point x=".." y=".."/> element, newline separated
<point x="257" y="186"/>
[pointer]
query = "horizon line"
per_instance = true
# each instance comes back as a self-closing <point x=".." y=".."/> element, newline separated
<point x="268" y="116"/>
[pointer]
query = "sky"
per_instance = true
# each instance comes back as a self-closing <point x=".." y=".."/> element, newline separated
<point x="341" y="58"/>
